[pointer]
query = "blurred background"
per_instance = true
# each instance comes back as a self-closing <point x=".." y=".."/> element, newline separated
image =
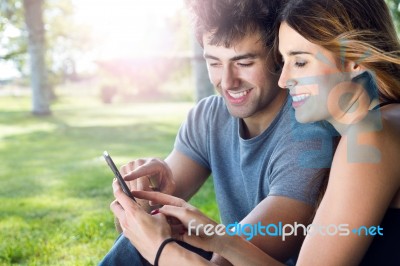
<point x="78" y="77"/>
<point x="119" y="51"/>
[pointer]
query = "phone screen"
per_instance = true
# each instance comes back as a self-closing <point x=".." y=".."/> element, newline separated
<point x="117" y="174"/>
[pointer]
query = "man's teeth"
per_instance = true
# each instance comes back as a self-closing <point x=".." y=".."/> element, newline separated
<point x="237" y="95"/>
<point x="300" y="97"/>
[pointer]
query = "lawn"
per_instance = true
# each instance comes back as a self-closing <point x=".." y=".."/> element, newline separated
<point x="55" y="187"/>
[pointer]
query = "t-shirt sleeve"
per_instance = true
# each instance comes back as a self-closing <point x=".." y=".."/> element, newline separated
<point x="193" y="133"/>
<point x="301" y="163"/>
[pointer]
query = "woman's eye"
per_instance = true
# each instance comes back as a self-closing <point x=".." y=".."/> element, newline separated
<point x="300" y="64"/>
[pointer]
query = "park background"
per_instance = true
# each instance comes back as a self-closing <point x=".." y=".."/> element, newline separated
<point x="78" y="77"/>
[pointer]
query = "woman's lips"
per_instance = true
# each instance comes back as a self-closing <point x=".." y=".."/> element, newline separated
<point x="299" y="99"/>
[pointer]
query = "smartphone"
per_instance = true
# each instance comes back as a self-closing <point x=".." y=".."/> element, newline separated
<point x="118" y="175"/>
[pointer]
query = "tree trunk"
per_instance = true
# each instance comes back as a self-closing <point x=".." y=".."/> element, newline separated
<point x="204" y="87"/>
<point x="36" y="44"/>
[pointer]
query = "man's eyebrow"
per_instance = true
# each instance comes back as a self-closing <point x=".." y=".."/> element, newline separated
<point x="235" y="58"/>
<point x="207" y="56"/>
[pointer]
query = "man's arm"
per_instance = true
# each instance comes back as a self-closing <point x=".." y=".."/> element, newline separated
<point x="273" y="210"/>
<point x="188" y="175"/>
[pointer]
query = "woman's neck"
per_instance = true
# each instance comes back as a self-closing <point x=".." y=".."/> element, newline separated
<point x="355" y="112"/>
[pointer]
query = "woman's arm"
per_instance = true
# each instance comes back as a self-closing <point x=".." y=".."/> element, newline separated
<point x="358" y="194"/>
<point x="235" y="249"/>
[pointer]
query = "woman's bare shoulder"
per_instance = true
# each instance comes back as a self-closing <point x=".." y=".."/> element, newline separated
<point x="373" y="143"/>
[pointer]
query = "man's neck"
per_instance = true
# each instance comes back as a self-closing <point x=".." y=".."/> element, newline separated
<point x="258" y="123"/>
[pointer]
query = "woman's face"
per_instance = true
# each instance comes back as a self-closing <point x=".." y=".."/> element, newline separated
<point x="320" y="86"/>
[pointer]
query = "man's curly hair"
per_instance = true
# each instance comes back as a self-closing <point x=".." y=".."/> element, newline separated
<point x="229" y="21"/>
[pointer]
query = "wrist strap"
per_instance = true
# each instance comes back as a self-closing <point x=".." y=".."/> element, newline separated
<point x="160" y="249"/>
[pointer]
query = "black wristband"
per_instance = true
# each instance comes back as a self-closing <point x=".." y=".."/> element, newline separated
<point x="160" y="249"/>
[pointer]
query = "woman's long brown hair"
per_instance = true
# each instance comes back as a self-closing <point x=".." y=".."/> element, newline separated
<point x="355" y="30"/>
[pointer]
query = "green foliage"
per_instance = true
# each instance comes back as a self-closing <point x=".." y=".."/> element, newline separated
<point x="395" y="12"/>
<point x="16" y="47"/>
<point x="55" y="188"/>
<point x="65" y="40"/>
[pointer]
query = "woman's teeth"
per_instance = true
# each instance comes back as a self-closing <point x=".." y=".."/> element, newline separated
<point x="300" y="97"/>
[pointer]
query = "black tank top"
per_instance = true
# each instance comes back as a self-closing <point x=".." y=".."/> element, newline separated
<point x="385" y="249"/>
<point x="383" y="104"/>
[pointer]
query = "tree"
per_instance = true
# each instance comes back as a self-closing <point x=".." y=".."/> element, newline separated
<point x="36" y="47"/>
<point x="47" y="36"/>
<point x="204" y="87"/>
<point x="28" y="14"/>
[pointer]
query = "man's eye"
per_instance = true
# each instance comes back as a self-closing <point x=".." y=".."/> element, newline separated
<point x="245" y="64"/>
<point x="214" y="64"/>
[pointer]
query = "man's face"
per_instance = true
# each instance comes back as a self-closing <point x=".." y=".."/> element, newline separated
<point x="242" y="74"/>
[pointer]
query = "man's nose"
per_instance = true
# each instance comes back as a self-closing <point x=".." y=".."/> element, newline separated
<point x="229" y="78"/>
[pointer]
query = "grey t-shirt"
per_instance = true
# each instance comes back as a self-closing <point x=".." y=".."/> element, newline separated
<point x="282" y="161"/>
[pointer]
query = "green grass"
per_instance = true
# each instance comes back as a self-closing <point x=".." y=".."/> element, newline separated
<point x="55" y="187"/>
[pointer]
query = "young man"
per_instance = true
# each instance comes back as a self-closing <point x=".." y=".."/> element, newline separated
<point x="266" y="167"/>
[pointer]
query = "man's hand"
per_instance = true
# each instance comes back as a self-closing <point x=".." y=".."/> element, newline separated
<point x="178" y="175"/>
<point x="150" y="174"/>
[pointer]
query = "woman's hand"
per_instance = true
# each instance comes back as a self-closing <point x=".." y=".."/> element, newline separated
<point x="146" y="232"/>
<point x="192" y="219"/>
<point x="202" y="229"/>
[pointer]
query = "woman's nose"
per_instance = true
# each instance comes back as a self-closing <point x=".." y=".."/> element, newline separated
<point x="284" y="81"/>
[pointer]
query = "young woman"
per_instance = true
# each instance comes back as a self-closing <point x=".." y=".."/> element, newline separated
<point x="341" y="65"/>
